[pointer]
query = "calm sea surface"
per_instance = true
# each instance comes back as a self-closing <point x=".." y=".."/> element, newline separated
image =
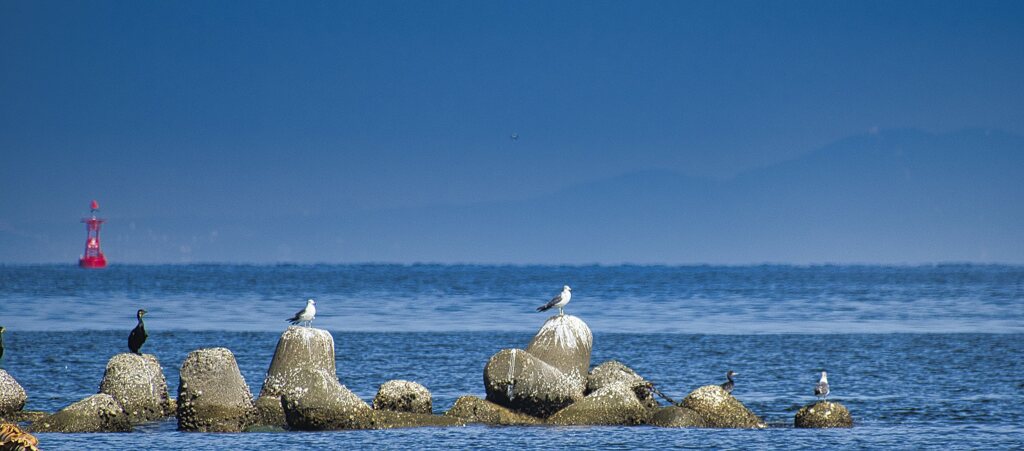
<point x="925" y="357"/>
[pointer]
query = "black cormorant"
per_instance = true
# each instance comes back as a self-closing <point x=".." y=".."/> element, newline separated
<point x="821" y="390"/>
<point x="729" y="383"/>
<point x="138" y="335"/>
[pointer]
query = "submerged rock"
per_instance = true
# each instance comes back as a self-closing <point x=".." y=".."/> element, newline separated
<point x="97" y="413"/>
<point x="516" y="379"/>
<point x="319" y="402"/>
<point x="137" y="382"/>
<point x="386" y="419"/>
<point x="720" y="409"/>
<point x="12" y="395"/>
<point x="213" y="395"/>
<point x="614" y="404"/>
<point x="403" y="396"/>
<point x="475" y="410"/>
<point x="564" y="342"/>
<point x="677" y="417"/>
<point x="823" y="414"/>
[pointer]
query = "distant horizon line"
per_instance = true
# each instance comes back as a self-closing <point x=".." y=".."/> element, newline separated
<point x="579" y="265"/>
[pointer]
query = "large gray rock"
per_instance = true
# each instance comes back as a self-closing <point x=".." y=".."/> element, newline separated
<point x="12" y="395"/>
<point x="677" y="417"/>
<point x="212" y="395"/>
<point x="403" y="396"/>
<point x="299" y="348"/>
<point x="137" y="382"/>
<point x="97" y="413"/>
<point x="475" y="410"/>
<point x="317" y="402"/>
<point x="564" y="342"/>
<point x="614" y="404"/>
<point x="614" y="372"/>
<point x="516" y="379"/>
<point x="720" y="409"/>
<point x="823" y="414"/>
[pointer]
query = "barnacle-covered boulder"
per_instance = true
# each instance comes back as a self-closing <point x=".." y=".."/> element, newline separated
<point x="12" y="395"/>
<point x="137" y="382"/>
<point x="564" y="342"/>
<point x="677" y="417"/>
<point x="213" y="395"/>
<point x="720" y="409"/>
<point x="614" y="404"/>
<point x="299" y="348"/>
<point x="97" y="413"/>
<point x="823" y="414"/>
<point x="515" y="379"/>
<point x="475" y="410"/>
<point x="403" y="396"/>
<point x="317" y="401"/>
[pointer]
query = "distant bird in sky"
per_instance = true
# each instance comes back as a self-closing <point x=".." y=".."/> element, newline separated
<point x="514" y="136"/>
<point x="821" y="390"/>
<point x="729" y="383"/>
<point x="305" y="315"/>
<point x="558" y="301"/>
<point x="138" y="335"/>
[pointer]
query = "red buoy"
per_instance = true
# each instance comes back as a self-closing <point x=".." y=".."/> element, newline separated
<point x="93" y="257"/>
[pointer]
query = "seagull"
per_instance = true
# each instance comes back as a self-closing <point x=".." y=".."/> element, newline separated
<point x="305" y="315"/>
<point x="729" y="384"/>
<point x="138" y="336"/>
<point x="821" y="390"/>
<point x="558" y="301"/>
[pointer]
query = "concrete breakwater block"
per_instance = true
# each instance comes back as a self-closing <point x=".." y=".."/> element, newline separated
<point x="96" y="413"/>
<point x="137" y="383"/>
<point x="823" y="414"/>
<point x="614" y="404"/>
<point x="213" y="395"/>
<point x="299" y="348"/>
<point x="720" y="409"/>
<point x="12" y="395"/>
<point x="403" y="396"/>
<point x="475" y="410"/>
<point x="564" y="342"/>
<point x="515" y="379"/>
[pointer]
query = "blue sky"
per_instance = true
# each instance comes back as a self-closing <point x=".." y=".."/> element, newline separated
<point x="240" y="110"/>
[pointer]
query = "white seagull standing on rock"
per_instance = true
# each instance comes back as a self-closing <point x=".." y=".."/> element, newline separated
<point x="821" y="390"/>
<point x="305" y="315"/>
<point x="558" y="301"/>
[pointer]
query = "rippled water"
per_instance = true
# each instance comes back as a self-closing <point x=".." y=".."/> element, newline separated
<point x="882" y="333"/>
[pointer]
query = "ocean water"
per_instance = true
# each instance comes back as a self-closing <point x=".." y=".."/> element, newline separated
<point x="925" y="357"/>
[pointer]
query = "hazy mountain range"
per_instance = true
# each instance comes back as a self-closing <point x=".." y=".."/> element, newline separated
<point x="900" y="196"/>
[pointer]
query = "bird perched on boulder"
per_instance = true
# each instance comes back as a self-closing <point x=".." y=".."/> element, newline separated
<point x="821" y="390"/>
<point x="138" y="335"/>
<point x="729" y="383"/>
<point x="305" y="315"/>
<point x="558" y="301"/>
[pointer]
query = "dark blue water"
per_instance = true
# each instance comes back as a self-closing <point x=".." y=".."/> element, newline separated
<point x="924" y="357"/>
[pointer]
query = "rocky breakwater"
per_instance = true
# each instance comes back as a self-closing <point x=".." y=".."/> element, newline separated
<point x="12" y="396"/>
<point x="300" y="349"/>
<point x="549" y="375"/>
<point x="212" y="395"/>
<point x="138" y="384"/>
<point x="719" y="409"/>
<point x="97" y="413"/>
<point x="823" y="414"/>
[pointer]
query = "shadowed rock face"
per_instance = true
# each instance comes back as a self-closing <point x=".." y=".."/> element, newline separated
<point x="615" y="372"/>
<point x="516" y="379"/>
<point x="615" y="404"/>
<point x="97" y="413"/>
<point x="298" y="348"/>
<point x="475" y="410"/>
<point x="213" y="396"/>
<point x="12" y="395"/>
<point x="720" y="409"/>
<point x="677" y="417"/>
<point x="823" y="414"/>
<point x="564" y="342"/>
<point x="137" y="382"/>
<point x="403" y="396"/>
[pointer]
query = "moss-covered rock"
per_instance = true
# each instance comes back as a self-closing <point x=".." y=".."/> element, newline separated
<point x="403" y="396"/>
<point x="614" y="404"/>
<point x="720" y="409"/>
<point x="97" y="413"/>
<point x="823" y="414"/>
<point x="137" y="382"/>
<point x="475" y="410"/>
<point x="677" y="417"/>
<point x="516" y="379"/>
<point x="12" y="395"/>
<point x="213" y="395"/>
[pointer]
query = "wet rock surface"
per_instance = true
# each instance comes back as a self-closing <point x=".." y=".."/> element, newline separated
<point x="97" y="413"/>
<point x="12" y="395"/>
<point x="677" y="417"/>
<point x="137" y="382"/>
<point x="212" y="395"/>
<point x="614" y="404"/>
<point x="823" y="414"/>
<point x="564" y="342"/>
<point x="403" y="396"/>
<point x="720" y="409"/>
<point x="475" y="410"/>
<point x="515" y="379"/>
